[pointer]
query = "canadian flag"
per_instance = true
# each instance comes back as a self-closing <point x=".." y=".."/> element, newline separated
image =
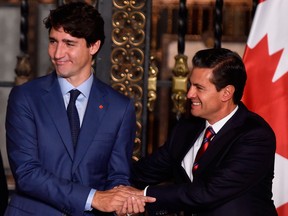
<point x="266" y="93"/>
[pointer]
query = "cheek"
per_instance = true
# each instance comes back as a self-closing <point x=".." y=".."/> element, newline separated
<point x="210" y="99"/>
<point x="83" y="56"/>
<point x="214" y="103"/>
<point x="51" y="51"/>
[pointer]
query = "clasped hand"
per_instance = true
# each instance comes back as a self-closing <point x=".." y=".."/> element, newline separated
<point x="122" y="200"/>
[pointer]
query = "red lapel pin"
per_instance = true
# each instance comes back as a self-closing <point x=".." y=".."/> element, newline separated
<point x="101" y="106"/>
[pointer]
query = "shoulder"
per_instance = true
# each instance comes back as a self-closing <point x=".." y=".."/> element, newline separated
<point x="190" y="123"/>
<point x="185" y="131"/>
<point x="110" y="92"/>
<point x="254" y="123"/>
<point x="34" y="87"/>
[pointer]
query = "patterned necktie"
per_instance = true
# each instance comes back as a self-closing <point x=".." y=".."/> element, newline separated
<point x="73" y="115"/>
<point x="209" y="134"/>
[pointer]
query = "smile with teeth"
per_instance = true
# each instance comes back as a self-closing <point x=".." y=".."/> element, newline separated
<point x="196" y="103"/>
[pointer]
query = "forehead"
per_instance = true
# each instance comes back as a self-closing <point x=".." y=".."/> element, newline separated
<point x="201" y="74"/>
<point x="60" y="34"/>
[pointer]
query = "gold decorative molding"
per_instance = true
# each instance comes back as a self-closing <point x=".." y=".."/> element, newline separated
<point x="179" y="84"/>
<point x="128" y="57"/>
<point x="152" y="84"/>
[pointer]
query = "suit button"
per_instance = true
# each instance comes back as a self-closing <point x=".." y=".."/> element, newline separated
<point x="75" y="179"/>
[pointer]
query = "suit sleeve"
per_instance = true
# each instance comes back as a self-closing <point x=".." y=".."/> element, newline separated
<point x="121" y="155"/>
<point x="242" y="166"/>
<point x="152" y="170"/>
<point x="3" y="187"/>
<point x="155" y="168"/>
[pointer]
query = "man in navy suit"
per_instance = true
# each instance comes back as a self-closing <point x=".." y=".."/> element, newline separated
<point x="233" y="177"/>
<point x="3" y="188"/>
<point x="54" y="176"/>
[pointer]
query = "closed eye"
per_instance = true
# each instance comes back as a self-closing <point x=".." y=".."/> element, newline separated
<point x="69" y="42"/>
<point x="52" y="41"/>
<point x="198" y="87"/>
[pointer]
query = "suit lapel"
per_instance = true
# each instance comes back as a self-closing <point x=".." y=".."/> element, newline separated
<point x="191" y="132"/>
<point x="188" y="137"/>
<point x="96" y="108"/>
<point x="224" y="138"/>
<point x="52" y="99"/>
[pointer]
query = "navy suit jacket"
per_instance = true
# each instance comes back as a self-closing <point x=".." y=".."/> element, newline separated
<point x="3" y="188"/>
<point x="234" y="177"/>
<point x="53" y="178"/>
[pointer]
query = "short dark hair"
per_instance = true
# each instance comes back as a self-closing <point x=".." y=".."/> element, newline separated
<point x="78" y="19"/>
<point x="228" y="69"/>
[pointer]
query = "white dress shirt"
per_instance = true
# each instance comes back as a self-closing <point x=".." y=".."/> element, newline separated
<point x="188" y="160"/>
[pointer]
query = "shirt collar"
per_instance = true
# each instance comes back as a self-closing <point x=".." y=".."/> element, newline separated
<point x="85" y="87"/>
<point x="218" y="125"/>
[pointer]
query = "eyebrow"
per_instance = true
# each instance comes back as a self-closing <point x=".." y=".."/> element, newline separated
<point x="197" y="85"/>
<point x="64" y="40"/>
<point x="69" y="41"/>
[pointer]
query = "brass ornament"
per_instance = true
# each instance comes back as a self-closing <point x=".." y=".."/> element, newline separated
<point x="179" y="84"/>
<point x="128" y="57"/>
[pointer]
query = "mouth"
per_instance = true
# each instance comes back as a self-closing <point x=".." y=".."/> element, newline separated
<point x="59" y="63"/>
<point x="196" y="103"/>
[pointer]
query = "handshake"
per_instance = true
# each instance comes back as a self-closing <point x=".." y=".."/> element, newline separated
<point x="123" y="200"/>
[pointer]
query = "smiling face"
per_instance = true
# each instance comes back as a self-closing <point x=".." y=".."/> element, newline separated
<point x="206" y="101"/>
<point x="70" y="56"/>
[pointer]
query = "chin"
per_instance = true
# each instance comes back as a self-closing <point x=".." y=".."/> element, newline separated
<point x="194" y="114"/>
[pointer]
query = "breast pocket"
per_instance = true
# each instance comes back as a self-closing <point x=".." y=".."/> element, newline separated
<point x="103" y="144"/>
<point x="99" y="153"/>
<point x="107" y="137"/>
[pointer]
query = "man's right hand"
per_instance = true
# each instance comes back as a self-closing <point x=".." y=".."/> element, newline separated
<point x="122" y="200"/>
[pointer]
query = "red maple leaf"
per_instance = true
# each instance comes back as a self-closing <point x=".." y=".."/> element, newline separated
<point x="261" y="95"/>
<point x="282" y="210"/>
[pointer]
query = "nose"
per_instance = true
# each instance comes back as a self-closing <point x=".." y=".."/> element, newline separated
<point x="191" y="92"/>
<point x="58" y="51"/>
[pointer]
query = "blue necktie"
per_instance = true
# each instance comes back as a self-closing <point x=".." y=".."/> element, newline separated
<point x="73" y="115"/>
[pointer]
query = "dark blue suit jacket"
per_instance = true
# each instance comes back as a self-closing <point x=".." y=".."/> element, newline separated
<point x="3" y="188"/>
<point x="51" y="177"/>
<point x="234" y="177"/>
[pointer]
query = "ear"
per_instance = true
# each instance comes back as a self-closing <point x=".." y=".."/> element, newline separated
<point x="228" y="92"/>
<point x="95" y="47"/>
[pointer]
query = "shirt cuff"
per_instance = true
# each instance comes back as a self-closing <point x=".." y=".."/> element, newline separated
<point x="88" y="206"/>
<point x="145" y="190"/>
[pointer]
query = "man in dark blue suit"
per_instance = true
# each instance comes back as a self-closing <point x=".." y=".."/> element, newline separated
<point x="3" y="188"/>
<point x="54" y="175"/>
<point x="233" y="176"/>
